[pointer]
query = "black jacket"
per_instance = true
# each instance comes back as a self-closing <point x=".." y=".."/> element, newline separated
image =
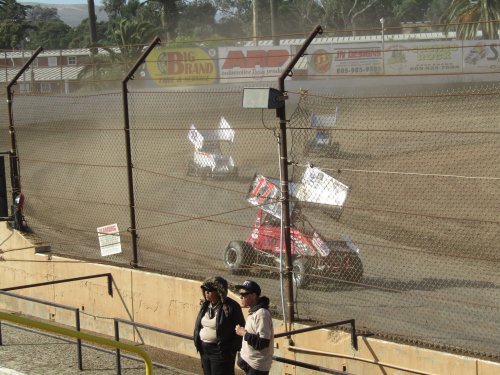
<point x="229" y="314"/>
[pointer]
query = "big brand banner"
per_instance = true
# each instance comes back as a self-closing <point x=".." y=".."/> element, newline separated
<point x="182" y="66"/>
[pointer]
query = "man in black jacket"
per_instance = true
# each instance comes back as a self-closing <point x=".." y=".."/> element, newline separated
<point x="215" y="337"/>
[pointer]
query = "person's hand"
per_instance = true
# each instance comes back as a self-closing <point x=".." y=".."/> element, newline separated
<point x="240" y="331"/>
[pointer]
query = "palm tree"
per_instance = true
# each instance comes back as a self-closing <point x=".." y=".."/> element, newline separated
<point x="470" y="16"/>
<point x="169" y="18"/>
<point x="109" y="67"/>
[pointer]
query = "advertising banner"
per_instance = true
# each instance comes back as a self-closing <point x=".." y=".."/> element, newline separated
<point x="430" y="57"/>
<point x="345" y="59"/>
<point x="182" y="66"/>
<point x="250" y="64"/>
<point x="481" y="56"/>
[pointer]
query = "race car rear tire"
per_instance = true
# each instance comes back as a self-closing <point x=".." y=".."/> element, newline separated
<point x="300" y="270"/>
<point x="237" y="257"/>
<point x="192" y="169"/>
<point x="352" y="268"/>
<point x="235" y="173"/>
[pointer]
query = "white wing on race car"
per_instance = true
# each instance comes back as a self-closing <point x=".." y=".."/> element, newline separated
<point x="224" y="133"/>
<point x="315" y="187"/>
<point x="318" y="187"/>
<point x="195" y="137"/>
<point x="324" y="121"/>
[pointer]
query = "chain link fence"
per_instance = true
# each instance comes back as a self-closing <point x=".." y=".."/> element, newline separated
<point x="394" y="198"/>
<point x="421" y="172"/>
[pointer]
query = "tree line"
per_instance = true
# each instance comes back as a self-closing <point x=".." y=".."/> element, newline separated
<point x="136" y="22"/>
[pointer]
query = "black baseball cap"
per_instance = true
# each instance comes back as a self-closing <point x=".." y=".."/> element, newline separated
<point x="250" y="286"/>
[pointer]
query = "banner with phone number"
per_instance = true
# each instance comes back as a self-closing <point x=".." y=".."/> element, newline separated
<point x="345" y="59"/>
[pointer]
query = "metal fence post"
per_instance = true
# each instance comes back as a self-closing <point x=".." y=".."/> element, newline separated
<point x="354" y="337"/>
<point x="118" y="357"/>
<point x="15" y="176"/>
<point x="78" y="341"/>
<point x="281" y="114"/>
<point x="130" y="74"/>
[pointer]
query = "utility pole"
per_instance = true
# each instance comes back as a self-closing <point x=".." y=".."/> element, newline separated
<point x="92" y="24"/>
<point x="93" y="36"/>
<point x="255" y="22"/>
<point x="272" y="5"/>
<point x="382" y="21"/>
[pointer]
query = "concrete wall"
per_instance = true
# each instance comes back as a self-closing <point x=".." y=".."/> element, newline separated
<point x="172" y="303"/>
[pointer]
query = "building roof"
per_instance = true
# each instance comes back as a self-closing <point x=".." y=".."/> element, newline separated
<point x="358" y="39"/>
<point x="56" y="73"/>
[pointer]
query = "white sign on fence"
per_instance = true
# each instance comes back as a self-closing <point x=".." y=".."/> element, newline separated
<point x="109" y="240"/>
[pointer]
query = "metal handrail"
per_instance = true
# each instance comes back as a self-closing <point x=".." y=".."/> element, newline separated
<point x="80" y="335"/>
<point x="77" y="320"/>
<point x="308" y="366"/>
<point x="279" y="359"/>
<point x="352" y="322"/>
<point x="360" y="359"/>
<point x="117" y="321"/>
<point x="109" y="277"/>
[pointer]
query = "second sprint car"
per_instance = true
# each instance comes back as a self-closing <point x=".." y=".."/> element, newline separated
<point x="314" y="256"/>
<point x="209" y="160"/>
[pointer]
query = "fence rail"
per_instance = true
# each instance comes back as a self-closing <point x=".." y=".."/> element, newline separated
<point x="77" y="320"/>
<point x="276" y="358"/>
<point x="80" y="336"/>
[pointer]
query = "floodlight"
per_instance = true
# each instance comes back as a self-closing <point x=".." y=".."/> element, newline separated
<point x="262" y="97"/>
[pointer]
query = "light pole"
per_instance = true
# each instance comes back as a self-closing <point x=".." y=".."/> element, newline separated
<point x="255" y="11"/>
<point x="383" y="47"/>
<point x="272" y="8"/>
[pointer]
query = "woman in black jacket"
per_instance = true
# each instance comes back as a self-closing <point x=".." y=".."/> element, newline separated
<point x="214" y="331"/>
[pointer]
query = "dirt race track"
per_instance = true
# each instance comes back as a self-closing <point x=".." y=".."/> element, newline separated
<point x="423" y="206"/>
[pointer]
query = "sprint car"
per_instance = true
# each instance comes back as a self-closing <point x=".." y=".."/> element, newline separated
<point x="208" y="157"/>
